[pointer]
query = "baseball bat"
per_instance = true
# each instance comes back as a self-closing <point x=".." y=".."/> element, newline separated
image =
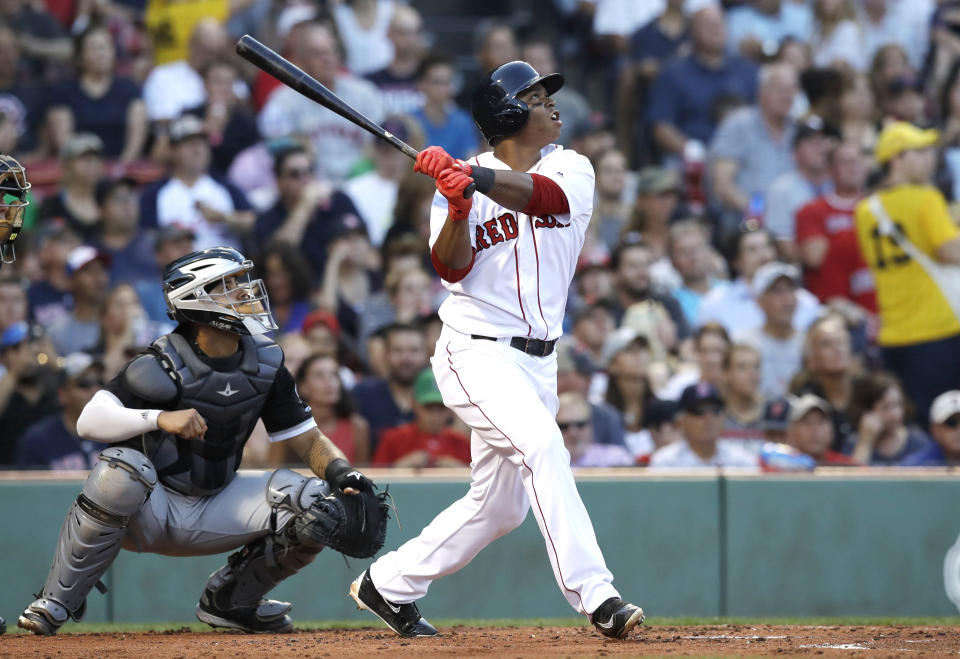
<point x="303" y="83"/>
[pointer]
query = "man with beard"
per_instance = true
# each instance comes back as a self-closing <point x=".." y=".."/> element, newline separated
<point x="631" y="262"/>
<point x="387" y="402"/>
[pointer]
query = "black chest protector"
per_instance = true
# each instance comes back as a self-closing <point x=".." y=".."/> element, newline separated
<point x="229" y="401"/>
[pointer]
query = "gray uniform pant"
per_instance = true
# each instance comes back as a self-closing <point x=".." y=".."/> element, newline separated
<point x="174" y="524"/>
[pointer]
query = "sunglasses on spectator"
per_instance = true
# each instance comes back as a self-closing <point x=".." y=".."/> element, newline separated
<point x="579" y="425"/>
<point x="701" y="410"/>
<point x="952" y="422"/>
<point x="298" y="173"/>
<point x="88" y="383"/>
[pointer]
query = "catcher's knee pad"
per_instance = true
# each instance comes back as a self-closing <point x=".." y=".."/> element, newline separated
<point x="90" y="537"/>
<point x="254" y="570"/>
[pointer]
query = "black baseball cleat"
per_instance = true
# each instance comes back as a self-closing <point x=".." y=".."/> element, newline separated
<point x="405" y="619"/>
<point x="269" y="617"/>
<point x="616" y="618"/>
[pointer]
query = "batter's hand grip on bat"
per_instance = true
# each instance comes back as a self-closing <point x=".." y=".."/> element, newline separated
<point x="303" y="83"/>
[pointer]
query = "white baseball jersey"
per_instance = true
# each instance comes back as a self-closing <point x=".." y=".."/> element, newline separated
<point x="523" y="265"/>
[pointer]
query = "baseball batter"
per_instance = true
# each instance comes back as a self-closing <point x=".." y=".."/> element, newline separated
<point x="507" y="256"/>
<point x="177" y="417"/>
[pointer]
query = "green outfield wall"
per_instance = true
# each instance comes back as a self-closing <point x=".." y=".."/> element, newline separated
<point x="679" y="546"/>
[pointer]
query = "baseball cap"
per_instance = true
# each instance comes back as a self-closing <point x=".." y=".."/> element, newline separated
<point x="775" y="414"/>
<point x="945" y="406"/>
<point x="77" y="362"/>
<point x="80" y="144"/>
<point x="696" y="394"/>
<point x="656" y="180"/>
<point x="768" y="274"/>
<point x="186" y="126"/>
<point x="83" y="256"/>
<point x="808" y="127"/>
<point x="14" y="334"/>
<point x="320" y="317"/>
<point x="658" y="412"/>
<point x="619" y="340"/>
<point x="901" y="136"/>
<point x="105" y="187"/>
<point x="171" y="232"/>
<point x="348" y="223"/>
<point x="425" y="390"/>
<point x="800" y="405"/>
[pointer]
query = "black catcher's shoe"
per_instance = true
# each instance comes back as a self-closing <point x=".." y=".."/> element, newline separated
<point x="616" y="618"/>
<point x="405" y="619"/>
<point x="270" y="616"/>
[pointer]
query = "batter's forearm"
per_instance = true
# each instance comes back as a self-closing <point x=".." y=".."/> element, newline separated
<point x="453" y="247"/>
<point x="511" y="190"/>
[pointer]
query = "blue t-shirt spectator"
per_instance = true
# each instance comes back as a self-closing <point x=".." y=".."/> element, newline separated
<point x="105" y="117"/>
<point x="457" y="135"/>
<point x="47" y="444"/>
<point x="134" y="262"/>
<point x="26" y="107"/>
<point x="685" y="92"/>
<point x="918" y="448"/>
<point x="375" y="403"/>
<point x="47" y="304"/>
<point x="650" y="42"/>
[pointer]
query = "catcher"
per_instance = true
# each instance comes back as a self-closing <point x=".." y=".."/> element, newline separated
<point x="13" y="201"/>
<point x="177" y="418"/>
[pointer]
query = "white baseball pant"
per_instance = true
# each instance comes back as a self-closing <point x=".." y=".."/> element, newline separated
<point x="509" y="400"/>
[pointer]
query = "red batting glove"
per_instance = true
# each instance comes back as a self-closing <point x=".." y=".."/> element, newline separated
<point x="432" y="161"/>
<point x="451" y="183"/>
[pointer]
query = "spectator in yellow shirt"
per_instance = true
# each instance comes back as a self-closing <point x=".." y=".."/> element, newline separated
<point x="919" y="331"/>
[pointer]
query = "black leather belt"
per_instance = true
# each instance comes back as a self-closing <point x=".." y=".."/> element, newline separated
<point x="534" y="347"/>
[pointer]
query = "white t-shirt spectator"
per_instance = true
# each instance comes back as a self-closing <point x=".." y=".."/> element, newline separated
<point x="375" y="198"/>
<point x="845" y="44"/>
<point x="733" y="306"/>
<point x="172" y="88"/>
<point x="780" y="359"/>
<point x="679" y="454"/>
<point x="624" y="17"/>
<point x="173" y="202"/>
<point x="339" y="144"/>
<point x="368" y="50"/>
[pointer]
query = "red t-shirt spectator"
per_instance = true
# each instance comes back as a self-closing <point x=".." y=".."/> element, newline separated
<point x="401" y="441"/>
<point x="843" y="272"/>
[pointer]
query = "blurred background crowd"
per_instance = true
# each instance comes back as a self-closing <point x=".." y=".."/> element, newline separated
<point x="722" y="298"/>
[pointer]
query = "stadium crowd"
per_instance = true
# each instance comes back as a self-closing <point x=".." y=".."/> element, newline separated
<point x="739" y="282"/>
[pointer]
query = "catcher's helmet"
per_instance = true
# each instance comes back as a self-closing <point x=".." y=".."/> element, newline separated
<point x="496" y="110"/>
<point x="13" y="200"/>
<point x="213" y="287"/>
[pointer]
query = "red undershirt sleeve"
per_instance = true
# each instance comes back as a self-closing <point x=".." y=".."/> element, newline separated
<point x="547" y="198"/>
<point x="452" y="275"/>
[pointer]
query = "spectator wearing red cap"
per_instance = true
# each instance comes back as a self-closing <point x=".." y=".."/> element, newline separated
<point x="321" y="329"/>
<point x="80" y="329"/>
<point x="427" y="441"/>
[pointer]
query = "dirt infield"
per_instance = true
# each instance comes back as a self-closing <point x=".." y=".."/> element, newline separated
<point x="713" y="640"/>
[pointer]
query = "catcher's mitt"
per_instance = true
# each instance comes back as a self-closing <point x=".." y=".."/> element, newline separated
<point x="352" y="524"/>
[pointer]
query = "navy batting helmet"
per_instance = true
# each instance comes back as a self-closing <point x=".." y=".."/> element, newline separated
<point x="496" y="109"/>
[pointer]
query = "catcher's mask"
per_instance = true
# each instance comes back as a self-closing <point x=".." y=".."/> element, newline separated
<point x="13" y="201"/>
<point x="213" y="287"/>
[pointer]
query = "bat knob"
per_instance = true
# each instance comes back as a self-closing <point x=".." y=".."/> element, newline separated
<point x="469" y="190"/>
